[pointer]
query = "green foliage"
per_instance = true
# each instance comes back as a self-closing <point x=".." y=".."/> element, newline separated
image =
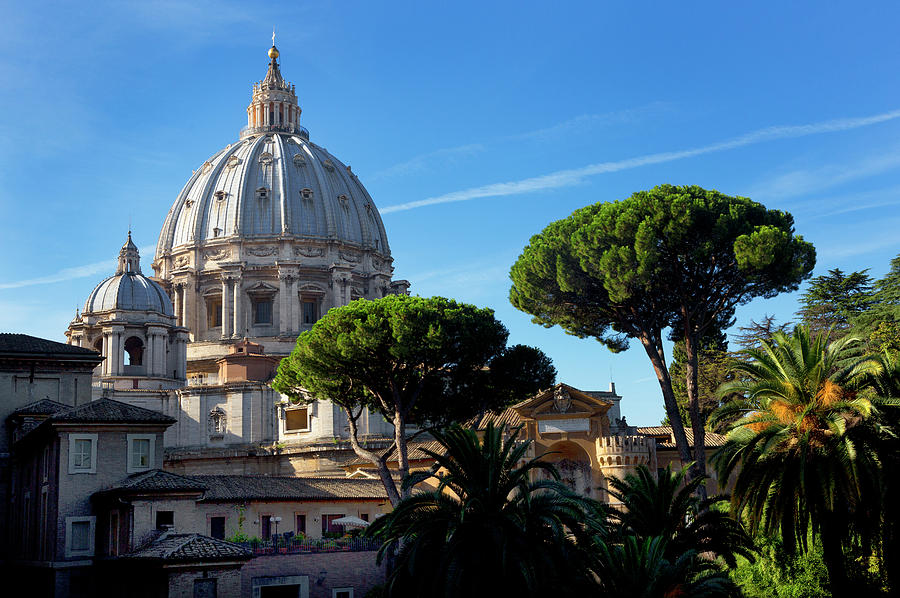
<point x="777" y="574"/>
<point x="239" y="537"/>
<point x="713" y="370"/>
<point x="804" y="454"/>
<point x="831" y="301"/>
<point x="429" y="361"/>
<point x="645" y="568"/>
<point x="427" y="358"/>
<point x="672" y="257"/>
<point x="669" y="508"/>
<point x="487" y="528"/>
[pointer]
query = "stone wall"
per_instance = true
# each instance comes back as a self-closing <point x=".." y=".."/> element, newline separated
<point x="324" y="573"/>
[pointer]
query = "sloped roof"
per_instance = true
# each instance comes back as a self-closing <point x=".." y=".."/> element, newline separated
<point x="42" y="407"/>
<point x="710" y="439"/>
<point x="227" y="488"/>
<point x="24" y="344"/>
<point x="110" y="411"/>
<point x="190" y="548"/>
<point x="158" y="480"/>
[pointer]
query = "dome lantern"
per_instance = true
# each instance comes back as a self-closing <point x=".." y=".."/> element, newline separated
<point x="273" y="106"/>
<point x="129" y="258"/>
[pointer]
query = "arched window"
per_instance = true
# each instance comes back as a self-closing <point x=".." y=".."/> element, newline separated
<point x="134" y="351"/>
<point x="217" y="422"/>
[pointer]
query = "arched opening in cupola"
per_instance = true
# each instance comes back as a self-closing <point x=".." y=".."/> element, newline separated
<point x="134" y="351"/>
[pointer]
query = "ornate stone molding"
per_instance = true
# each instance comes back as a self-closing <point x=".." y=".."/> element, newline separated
<point x="309" y="251"/>
<point x="217" y="254"/>
<point x="262" y="250"/>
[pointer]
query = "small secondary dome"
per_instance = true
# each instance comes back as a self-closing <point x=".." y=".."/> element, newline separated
<point x="128" y="289"/>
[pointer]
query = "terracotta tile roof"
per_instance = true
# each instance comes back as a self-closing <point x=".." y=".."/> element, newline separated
<point x="24" y="344"/>
<point x="228" y="488"/>
<point x="414" y="453"/>
<point x="108" y="410"/>
<point x="507" y="417"/>
<point x="190" y="548"/>
<point x="711" y="439"/>
<point x="42" y="407"/>
<point x="158" y="480"/>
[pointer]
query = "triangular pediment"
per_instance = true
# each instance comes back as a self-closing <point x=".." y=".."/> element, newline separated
<point x="561" y="402"/>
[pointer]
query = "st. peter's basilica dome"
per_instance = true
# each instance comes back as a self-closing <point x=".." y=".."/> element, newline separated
<point x="268" y="234"/>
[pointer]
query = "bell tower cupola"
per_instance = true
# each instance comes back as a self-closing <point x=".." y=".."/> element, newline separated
<point x="273" y="106"/>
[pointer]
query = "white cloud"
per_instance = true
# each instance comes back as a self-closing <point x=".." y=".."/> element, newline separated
<point x="73" y="272"/>
<point x="802" y="182"/>
<point x="450" y="155"/>
<point x="564" y="178"/>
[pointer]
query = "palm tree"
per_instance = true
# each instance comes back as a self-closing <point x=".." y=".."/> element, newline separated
<point x="884" y="381"/>
<point x="801" y="445"/>
<point x="487" y="529"/>
<point x="668" y="507"/>
<point x="641" y="568"/>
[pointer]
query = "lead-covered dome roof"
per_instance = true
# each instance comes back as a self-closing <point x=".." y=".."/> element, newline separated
<point x="128" y="289"/>
<point x="274" y="182"/>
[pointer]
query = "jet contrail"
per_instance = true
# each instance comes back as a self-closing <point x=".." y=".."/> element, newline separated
<point x="564" y="178"/>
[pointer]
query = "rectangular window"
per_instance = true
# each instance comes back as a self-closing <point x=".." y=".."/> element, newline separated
<point x="328" y="527"/>
<point x="80" y="536"/>
<point x="301" y="523"/>
<point x="342" y="593"/>
<point x="140" y="452"/>
<point x="296" y="420"/>
<point x="214" y="313"/>
<point x="113" y="533"/>
<point x="265" y="527"/>
<point x="82" y="453"/>
<point x="217" y="527"/>
<point x="310" y="312"/>
<point x="205" y="588"/>
<point x="165" y="519"/>
<point x="262" y="311"/>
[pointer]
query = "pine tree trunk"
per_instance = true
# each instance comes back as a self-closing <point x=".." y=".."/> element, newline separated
<point x="698" y="426"/>
<point x="657" y="358"/>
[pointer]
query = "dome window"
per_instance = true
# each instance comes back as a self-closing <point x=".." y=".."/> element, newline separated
<point x="329" y="165"/>
<point x="306" y="193"/>
<point x="299" y="160"/>
<point x="262" y="193"/>
<point x="232" y="162"/>
<point x="188" y="203"/>
<point x="220" y="196"/>
<point x="265" y="158"/>
<point x="343" y="198"/>
<point x="216" y="232"/>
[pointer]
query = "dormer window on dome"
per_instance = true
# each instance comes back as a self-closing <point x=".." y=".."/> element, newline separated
<point x="220" y="196"/>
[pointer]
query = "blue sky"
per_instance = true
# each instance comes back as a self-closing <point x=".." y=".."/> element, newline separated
<point x="472" y="125"/>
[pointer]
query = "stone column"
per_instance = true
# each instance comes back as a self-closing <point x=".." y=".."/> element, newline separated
<point x="226" y="307"/>
<point x="238" y="310"/>
<point x="106" y="368"/>
<point x="116" y="350"/>
<point x="176" y="303"/>
<point x="283" y="316"/>
<point x="185" y="299"/>
<point x="295" y="306"/>
<point x="149" y="353"/>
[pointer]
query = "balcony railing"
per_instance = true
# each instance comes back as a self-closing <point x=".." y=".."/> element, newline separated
<point x="294" y="130"/>
<point x="294" y="545"/>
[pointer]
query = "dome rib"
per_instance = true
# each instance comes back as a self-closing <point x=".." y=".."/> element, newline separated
<point x="284" y="212"/>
